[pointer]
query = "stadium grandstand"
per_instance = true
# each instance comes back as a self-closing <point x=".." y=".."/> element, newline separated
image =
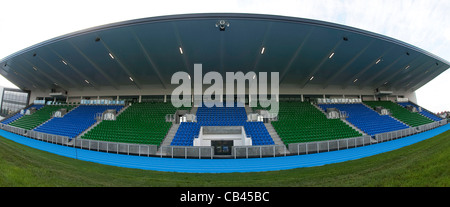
<point x="109" y="88"/>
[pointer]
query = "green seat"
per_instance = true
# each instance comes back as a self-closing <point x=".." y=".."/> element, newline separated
<point x="40" y="116"/>
<point x="413" y="119"/>
<point x="140" y="123"/>
<point x="302" y="122"/>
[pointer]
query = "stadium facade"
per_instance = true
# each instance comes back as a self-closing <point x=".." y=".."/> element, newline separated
<point x="118" y="76"/>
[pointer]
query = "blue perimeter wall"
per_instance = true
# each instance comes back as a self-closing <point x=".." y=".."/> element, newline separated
<point x="224" y="165"/>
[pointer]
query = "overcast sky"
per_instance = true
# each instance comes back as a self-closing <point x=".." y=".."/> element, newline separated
<point x="422" y="23"/>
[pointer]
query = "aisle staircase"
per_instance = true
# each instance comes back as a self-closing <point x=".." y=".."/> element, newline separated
<point x="99" y="121"/>
<point x="170" y="135"/>
<point x="273" y="133"/>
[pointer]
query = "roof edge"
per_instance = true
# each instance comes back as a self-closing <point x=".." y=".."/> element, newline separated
<point x="226" y="15"/>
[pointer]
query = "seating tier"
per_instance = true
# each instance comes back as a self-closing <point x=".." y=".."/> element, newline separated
<point x="140" y="123"/>
<point x="366" y="119"/>
<point x="424" y="112"/>
<point x="40" y="116"/>
<point x="76" y="121"/>
<point x="19" y="115"/>
<point x="411" y="118"/>
<point x="221" y="116"/>
<point x="302" y="122"/>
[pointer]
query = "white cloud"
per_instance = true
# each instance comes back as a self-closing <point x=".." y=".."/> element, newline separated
<point x="6" y="83"/>
<point x="434" y="96"/>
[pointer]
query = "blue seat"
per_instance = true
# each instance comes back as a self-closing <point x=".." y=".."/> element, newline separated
<point x="366" y="119"/>
<point x="222" y="116"/>
<point x="76" y="121"/>
<point x="19" y="115"/>
<point x="424" y="112"/>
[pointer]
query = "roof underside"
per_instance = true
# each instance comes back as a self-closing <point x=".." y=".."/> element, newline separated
<point x="146" y="52"/>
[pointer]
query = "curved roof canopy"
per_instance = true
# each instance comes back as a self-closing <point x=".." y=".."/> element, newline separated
<point x="146" y="52"/>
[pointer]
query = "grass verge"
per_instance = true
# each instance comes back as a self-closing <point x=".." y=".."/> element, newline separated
<point x="423" y="164"/>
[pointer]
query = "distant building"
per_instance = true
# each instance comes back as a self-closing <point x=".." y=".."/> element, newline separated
<point x="12" y="100"/>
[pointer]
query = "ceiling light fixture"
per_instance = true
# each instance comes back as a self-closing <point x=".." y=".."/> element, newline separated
<point x="131" y="78"/>
<point x="262" y="50"/>
<point x="34" y="68"/>
<point x="355" y="80"/>
<point x="312" y="77"/>
<point x="407" y="67"/>
<point x="332" y="54"/>
<point x="378" y="61"/>
<point x="86" y="81"/>
<point x="110" y="55"/>
<point x="64" y="62"/>
<point x="181" y="50"/>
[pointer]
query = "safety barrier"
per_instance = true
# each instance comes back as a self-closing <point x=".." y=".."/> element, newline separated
<point x="187" y="152"/>
<point x="387" y="136"/>
<point x="259" y="151"/>
<point x="236" y="152"/>
<point x="115" y="147"/>
<point x="55" y="139"/>
<point x="109" y="147"/>
<point x="208" y="151"/>
<point x="329" y="145"/>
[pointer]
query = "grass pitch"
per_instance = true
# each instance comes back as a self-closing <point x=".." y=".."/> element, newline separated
<point x="426" y="163"/>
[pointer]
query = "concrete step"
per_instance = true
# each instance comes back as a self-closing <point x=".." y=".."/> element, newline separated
<point x="98" y="122"/>
<point x="248" y="109"/>
<point x="122" y="110"/>
<point x="354" y="127"/>
<point x="88" y="129"/>
<point x="193" y="110"/>
<point x="54" y="117"/>
<point x="273" y="133"/>
<point x="276" y="138"/>
<point x="169" y="137"/>
<point x="384" y="115"/>
<point x="344" y="120"/>
<point x="320" y="109"/>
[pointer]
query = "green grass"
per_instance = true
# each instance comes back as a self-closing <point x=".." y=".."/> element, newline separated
<point x="423" y="164"/>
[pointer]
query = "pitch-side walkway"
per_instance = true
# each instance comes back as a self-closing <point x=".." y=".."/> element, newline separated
<point x="224" y="165"/>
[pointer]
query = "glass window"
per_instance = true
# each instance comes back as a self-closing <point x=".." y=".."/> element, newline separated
<point x="13" y="101"/>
